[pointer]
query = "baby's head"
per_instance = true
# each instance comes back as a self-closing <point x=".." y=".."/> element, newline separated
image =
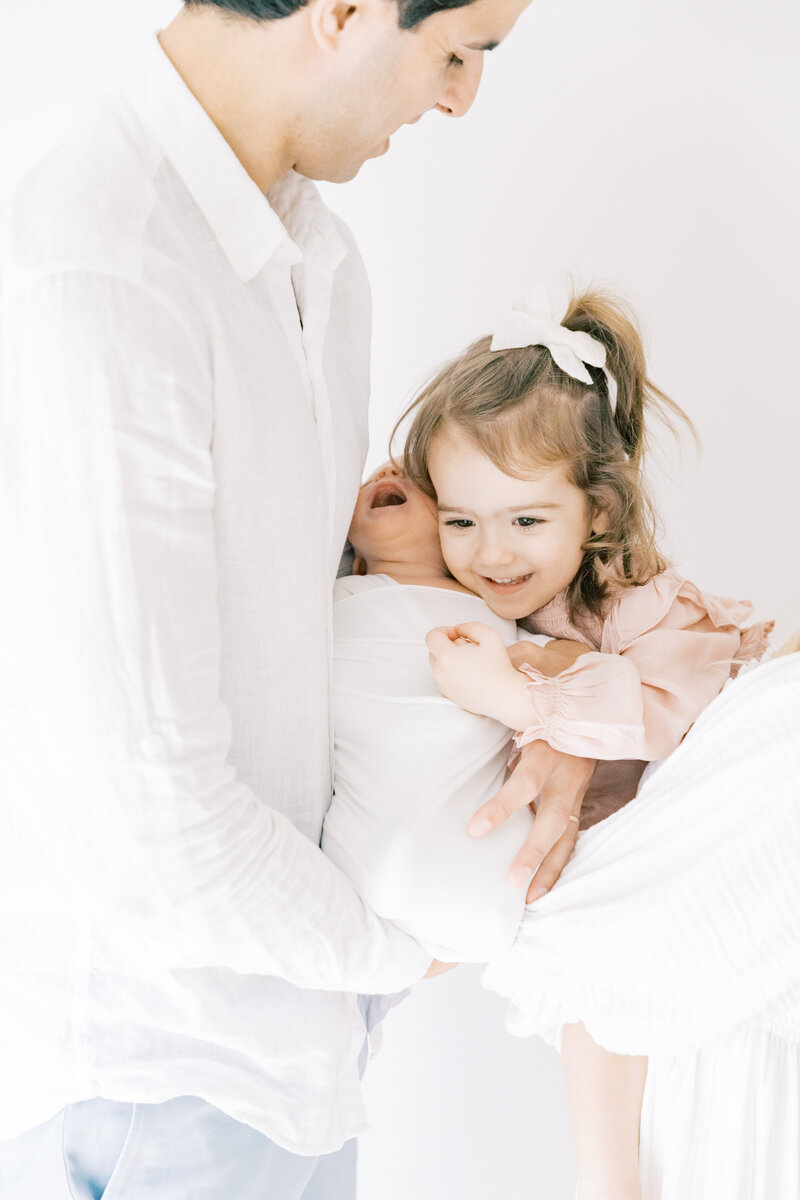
<point x="394" y="522"/>
<point x="537" y="477"/>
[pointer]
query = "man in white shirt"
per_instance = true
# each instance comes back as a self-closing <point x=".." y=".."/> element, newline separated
<point x="184" y="390"/>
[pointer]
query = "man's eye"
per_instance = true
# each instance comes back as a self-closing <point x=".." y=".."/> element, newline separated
<point x="528" y="522"/>
<point x="455" y="61"/>
<point x="459" y="523"/>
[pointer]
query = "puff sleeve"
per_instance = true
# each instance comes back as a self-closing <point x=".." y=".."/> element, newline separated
<point x="667" y="649"/>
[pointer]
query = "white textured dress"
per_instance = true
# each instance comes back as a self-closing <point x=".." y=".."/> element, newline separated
<point x="674" y="930"/>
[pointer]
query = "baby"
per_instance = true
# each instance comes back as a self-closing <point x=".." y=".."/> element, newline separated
<point x="411" y="766"/>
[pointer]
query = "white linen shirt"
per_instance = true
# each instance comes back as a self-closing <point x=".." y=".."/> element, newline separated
<point x="179" y="458"/>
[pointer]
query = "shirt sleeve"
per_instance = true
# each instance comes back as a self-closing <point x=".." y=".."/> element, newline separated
<point x="109" y="412"/>
<point x="667" y="650"/>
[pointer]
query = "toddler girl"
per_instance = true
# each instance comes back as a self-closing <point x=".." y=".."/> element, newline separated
<point x="532" y="444"/>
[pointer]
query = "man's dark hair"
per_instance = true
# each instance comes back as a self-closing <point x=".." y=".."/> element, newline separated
<point x="411" y="12"/>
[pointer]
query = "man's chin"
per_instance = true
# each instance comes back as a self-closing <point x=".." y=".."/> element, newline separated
<point x="332" y="173"/>
<point x="340" y="172"/>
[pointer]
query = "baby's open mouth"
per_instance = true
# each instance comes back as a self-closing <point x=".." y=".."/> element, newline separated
<point x="387" y="494"/>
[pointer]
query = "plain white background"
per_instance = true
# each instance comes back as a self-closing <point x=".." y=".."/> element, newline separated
<point x="650" y="148"/>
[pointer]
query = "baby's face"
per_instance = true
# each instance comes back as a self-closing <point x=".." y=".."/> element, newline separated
<point x="394" y="520"/>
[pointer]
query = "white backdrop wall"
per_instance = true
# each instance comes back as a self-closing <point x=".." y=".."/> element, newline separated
<point x="650" y="148"/>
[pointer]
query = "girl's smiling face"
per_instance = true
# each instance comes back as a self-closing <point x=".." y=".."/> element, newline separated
<point x="516" y="542"/>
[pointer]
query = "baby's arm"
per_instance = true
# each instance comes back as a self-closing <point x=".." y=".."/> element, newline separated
<point x="604" y="1098"/>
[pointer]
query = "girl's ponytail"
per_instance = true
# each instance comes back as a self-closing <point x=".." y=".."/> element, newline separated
<point x="613" y="323"/>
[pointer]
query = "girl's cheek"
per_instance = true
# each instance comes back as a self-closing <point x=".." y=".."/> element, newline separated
<point x="456" y="564"/>
<point x="449" y="548"/>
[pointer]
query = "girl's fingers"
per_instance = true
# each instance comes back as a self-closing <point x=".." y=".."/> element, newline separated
<point x="472" y="631"/>
<point x="439" y="640"/>
<point x="476" y="631"/>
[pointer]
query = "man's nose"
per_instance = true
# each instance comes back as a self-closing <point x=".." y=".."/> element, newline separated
<point x="461" y="92"/>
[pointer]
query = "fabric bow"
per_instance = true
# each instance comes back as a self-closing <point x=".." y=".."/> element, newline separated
<point x="530" y="322"/>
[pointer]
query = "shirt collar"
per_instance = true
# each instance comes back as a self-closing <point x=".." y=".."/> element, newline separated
<point x="297" y="202"/>
<point x="248" y="226"/>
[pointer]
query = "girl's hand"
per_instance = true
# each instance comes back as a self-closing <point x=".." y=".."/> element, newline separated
<point x="472" y="668"/>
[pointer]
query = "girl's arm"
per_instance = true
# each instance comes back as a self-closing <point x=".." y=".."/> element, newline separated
<point x="667" y="650"/>
<point x="474" y="669"/>
<point x="604" y="1099"/>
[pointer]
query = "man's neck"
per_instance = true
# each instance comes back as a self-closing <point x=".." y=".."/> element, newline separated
<point x="237" y="71"/>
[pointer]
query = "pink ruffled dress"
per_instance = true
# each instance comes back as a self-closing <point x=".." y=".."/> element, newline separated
<point x="661" y="655"/>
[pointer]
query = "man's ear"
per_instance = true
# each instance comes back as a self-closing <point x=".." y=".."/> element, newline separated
<point x="328" y="20"/>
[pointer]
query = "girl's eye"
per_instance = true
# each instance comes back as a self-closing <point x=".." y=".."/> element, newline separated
<point x="455" y="61"/>
<point x="528" y="522"/>
<point x="459" y="523"/>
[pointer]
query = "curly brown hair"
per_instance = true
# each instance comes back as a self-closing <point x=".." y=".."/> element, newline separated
<point x="520" y="409"/>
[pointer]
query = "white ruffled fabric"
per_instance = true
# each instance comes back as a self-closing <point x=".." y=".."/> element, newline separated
<point x="674" y="932"/>
<point x="724" y="1123"/>
<point x="677" y="918"/>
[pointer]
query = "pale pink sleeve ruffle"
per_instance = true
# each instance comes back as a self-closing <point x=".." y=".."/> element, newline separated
<point x="593" y="709"/>
<point x="667" y="649"/>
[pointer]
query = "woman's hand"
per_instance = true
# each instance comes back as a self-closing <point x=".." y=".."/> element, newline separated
<point x="553" y="785"/>
<point x="472" y="668"/>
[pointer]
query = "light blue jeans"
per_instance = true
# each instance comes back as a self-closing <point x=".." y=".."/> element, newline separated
<point x="183" y="1149"/>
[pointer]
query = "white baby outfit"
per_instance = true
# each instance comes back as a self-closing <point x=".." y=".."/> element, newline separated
<point x="412" y="768"/>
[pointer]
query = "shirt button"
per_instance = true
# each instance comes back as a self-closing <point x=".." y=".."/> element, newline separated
<point x="153" y="746"/>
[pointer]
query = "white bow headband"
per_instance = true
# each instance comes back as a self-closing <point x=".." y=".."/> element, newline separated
<point x="530" y="322"/>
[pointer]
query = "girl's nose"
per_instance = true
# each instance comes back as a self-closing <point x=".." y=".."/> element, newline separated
<point x="492" y="551"/>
